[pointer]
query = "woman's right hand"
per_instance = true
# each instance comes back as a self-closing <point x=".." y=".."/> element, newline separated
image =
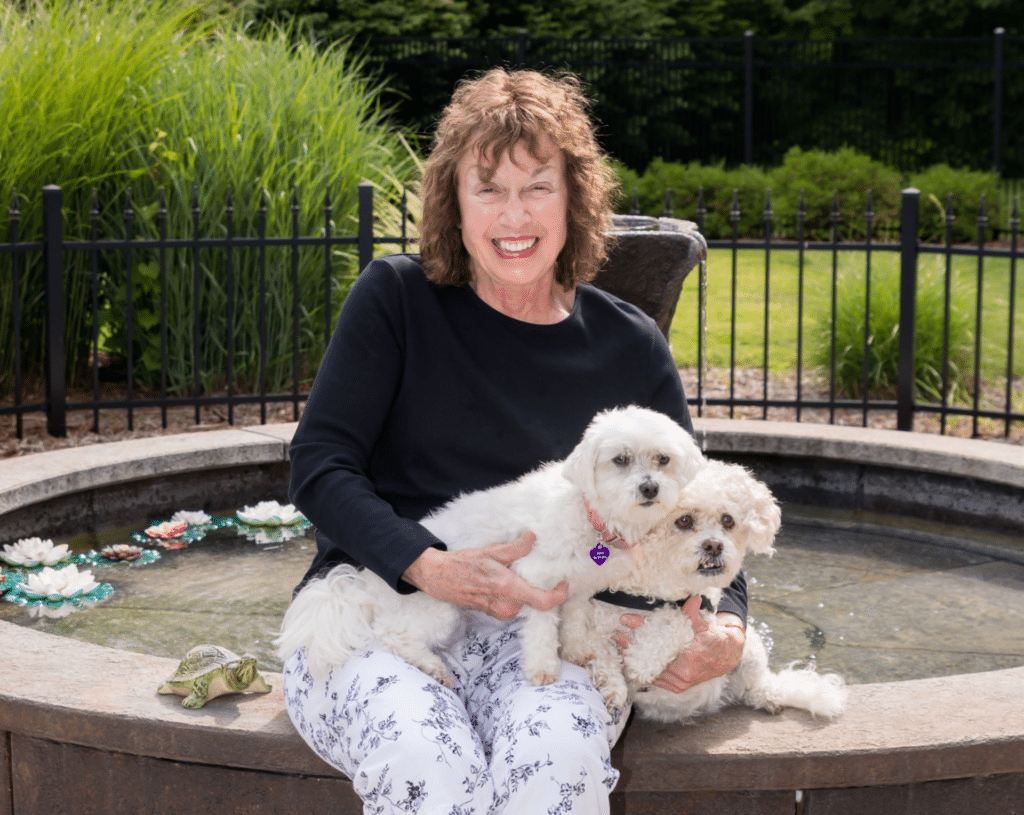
<point x="481" y="580"/>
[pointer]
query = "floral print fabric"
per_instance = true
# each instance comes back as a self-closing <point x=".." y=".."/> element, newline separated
<point x="493" y="743"/>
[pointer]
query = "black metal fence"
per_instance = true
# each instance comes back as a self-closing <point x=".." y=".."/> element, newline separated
<point x="907" y="403"/>
<point x="53" y="250"/>
<point x="910" y="103"/>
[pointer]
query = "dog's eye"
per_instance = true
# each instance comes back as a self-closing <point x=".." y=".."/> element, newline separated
<point x="663" y="460"/>
<point x="621" y="460"/>
<point x="684" y="521"/>
<point x="728" y="522"/>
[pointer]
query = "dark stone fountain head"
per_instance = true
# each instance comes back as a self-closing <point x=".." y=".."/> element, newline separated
<point x="648" y="260"/>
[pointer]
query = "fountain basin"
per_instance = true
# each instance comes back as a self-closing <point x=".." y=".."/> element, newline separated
<point x="85" y="730"/>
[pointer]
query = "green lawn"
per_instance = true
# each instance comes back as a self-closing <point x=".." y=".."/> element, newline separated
<point x="817" y="286"/>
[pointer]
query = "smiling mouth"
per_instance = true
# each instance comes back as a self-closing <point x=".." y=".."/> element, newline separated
<point x="710" y="568"/>
<point x="510" y="248"/>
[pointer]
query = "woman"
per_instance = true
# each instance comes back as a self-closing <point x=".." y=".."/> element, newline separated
<point x="456" y="371"/>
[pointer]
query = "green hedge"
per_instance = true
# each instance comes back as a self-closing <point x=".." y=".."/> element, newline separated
<point x="819" y="177"/>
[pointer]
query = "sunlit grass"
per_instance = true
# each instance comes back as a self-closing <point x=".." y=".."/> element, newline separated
<point x="784" y="306"/>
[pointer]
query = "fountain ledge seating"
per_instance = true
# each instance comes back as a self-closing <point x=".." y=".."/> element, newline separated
<point x="83" y="730"/>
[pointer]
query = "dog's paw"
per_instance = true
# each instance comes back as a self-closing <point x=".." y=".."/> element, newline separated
<point x="445" y="679"/>
<point x="542" y="669"/>
<point x="541" y="678"/>
<point x="436" y="669"/>
<point x="615" y="696"/>
<point x="769" y="706"/>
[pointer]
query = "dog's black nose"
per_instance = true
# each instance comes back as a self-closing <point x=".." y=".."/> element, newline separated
<point x="649" y="488"/>
<point x="712" y="548"/>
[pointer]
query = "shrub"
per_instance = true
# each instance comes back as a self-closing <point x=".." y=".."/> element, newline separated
<point x="967" y="187"/>
<point x="628" y="182"/>
<point x="718" y="184"/>
<point x="819" y="175"/>
<point x="883" y="337"/>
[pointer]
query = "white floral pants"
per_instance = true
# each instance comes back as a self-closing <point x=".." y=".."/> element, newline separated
<point x="492" y="744"/>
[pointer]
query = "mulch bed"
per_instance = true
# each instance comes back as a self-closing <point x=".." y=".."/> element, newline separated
<point x="748" y="384"/>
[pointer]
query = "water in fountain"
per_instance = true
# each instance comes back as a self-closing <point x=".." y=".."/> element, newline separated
<point x="876" y="601"/>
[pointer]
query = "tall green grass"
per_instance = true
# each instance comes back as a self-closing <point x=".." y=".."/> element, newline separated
<point x="943" y="338"/>
<point x="275" y="124"/>
<point x="150" y="96"/>
<point x="74" y="80"/>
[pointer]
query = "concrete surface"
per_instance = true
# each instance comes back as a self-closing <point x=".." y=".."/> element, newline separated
<point x="82" y="729"/>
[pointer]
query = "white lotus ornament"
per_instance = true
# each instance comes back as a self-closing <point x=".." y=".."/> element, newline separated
<point x="31" y="552"/>
<point x="59" y="584"/>
<point x="270" y="513"/>
<point x="192" y="518"/>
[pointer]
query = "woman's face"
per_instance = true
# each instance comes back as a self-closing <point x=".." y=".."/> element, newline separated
<point x="513" y="224"/>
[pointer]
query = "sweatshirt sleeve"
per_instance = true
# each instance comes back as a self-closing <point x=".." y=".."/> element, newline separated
<point x="344" y="415"/>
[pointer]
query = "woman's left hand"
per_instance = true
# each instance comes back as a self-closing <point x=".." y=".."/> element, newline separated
<point x="715" y="650"/>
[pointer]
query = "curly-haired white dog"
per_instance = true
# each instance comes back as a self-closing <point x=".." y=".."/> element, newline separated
<point x="722" y="514"/>
<point x="619" y="482"/>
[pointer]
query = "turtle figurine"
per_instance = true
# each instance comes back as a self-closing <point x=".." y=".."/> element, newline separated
<point x="209" y="671"/>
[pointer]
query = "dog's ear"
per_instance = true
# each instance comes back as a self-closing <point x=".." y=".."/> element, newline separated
<point x="689" y="456"/>
<point x="763" y="519"/>
<point x="579" y="467"/>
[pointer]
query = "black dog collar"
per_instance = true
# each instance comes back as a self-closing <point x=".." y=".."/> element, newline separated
<point x="637" y="603"/>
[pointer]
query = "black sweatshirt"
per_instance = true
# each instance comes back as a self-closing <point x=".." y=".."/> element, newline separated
<point x="426" y="392"/>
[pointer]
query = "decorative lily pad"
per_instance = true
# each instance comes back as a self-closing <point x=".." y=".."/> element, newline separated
<point x="57" y="587"/>
<point x="177" y="534"/>
<point x="8" y="580"/>
<point x="94" y="558"/>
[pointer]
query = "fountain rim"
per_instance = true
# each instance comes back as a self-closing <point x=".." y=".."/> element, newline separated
<point x="108" y="700"/>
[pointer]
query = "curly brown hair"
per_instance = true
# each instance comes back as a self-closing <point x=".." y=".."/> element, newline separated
<point x="492" y="114"/>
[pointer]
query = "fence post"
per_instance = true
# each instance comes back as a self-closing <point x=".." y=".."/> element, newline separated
<point x="905" y="383"/>
<point x="748" y="97"/>
<point x="53" y="288"/>
<point x="521" y="48"/>
<point x="997" y="123"/>
<point x="365" y="224"/>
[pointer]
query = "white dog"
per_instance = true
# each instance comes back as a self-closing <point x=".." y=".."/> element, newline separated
<point x="620" y="481"/>
<point x="722" y="514"/>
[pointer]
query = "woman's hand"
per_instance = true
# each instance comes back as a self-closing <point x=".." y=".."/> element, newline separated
<point x="480" y="579"/>
<point x="715" y="650"/>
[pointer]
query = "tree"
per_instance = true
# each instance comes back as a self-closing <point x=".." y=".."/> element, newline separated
<point x="627" y="19"/>
<point x="334" y="20"/>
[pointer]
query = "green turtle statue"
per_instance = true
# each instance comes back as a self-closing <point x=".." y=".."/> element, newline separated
<point x="209" y="671"/>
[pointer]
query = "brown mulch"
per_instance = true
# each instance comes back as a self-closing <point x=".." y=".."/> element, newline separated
<point x="748" y="384"/>
<point x="113" y="423"/>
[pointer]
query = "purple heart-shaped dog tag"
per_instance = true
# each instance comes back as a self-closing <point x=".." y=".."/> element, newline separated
<point x="599" y="554"/>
